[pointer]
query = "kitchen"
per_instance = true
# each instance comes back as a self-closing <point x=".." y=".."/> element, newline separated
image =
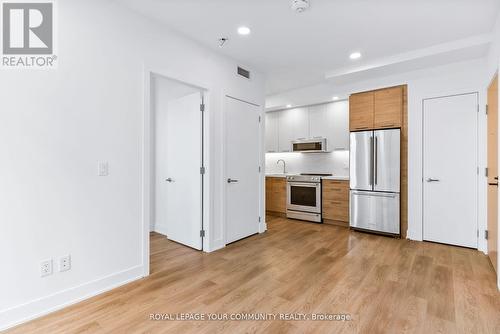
<point x="341" y="163"/>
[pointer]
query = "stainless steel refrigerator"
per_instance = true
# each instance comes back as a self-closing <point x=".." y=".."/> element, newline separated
<point x="375" y="180"/>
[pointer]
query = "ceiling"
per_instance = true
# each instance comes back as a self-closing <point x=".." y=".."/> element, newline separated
<point x="296" y="50"/>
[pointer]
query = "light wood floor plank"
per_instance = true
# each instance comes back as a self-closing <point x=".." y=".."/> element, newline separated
<point x="386" y="285"/>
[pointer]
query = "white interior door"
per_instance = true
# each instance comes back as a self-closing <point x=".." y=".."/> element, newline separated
<point x="242" y="169"/>
<point x="450" y="170"/>
<point x="183" y="179"/>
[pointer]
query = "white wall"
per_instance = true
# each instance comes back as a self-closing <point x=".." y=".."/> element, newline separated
<point x="54" y="128"/>
<point x="336" y="163"/>
<point x="438" y="81"/>
<point x="494" y="52"/>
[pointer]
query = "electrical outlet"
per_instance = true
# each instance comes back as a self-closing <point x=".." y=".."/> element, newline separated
<point x="46" y="268"/>
<point x="102" y="168"/>
<point x="65" y="263"/>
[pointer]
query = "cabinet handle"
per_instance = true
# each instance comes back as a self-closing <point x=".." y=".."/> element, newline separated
<point x="389" y="125"/>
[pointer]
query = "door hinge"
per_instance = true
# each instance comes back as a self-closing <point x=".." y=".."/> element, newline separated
<point x="202" y="107"/>
<point x="202" y="233"/>
<point x="259" y="119"/>
<point x="202" y="170"/>
<point x="478" y="108"/>
<point x="486" y="112"/>
<point x="486" y="172"/>
<point x="259" y="219"/>
<point x="259" y="169"/>
<point x="486" y="234"/>
<point x="477" y="170"/>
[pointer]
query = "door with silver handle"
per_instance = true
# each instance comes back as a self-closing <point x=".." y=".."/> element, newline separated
<point x="432" y="180"/>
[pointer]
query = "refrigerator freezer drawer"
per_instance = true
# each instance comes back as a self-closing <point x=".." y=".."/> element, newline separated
<point x="375" y="211"/>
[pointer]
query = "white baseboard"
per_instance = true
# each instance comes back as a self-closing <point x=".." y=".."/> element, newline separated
<point x="161" y="228"/>
<point x="262" y="227"/>
<point x="45" y="305"/>
<point x="215" y="245"/>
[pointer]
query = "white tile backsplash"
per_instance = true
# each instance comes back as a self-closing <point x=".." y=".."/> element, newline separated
<point x="336" y="163"/>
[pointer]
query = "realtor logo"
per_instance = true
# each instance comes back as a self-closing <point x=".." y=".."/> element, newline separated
<point x="28" y="35"/>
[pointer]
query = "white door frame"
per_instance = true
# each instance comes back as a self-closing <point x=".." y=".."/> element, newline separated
<point x="148" y="155"/>
<point x="262" y="224"/>
<point x="477" y="158"/>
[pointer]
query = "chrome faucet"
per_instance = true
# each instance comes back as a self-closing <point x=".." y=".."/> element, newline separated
<point x="284" y="165"/>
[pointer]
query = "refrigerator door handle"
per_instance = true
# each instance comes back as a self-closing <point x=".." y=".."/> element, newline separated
<point x="371" y="158"/>
<point x="375" y="162"/>
<point x="374" y="194"/>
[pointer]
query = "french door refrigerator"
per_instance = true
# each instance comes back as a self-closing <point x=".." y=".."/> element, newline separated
<point x="375" y="180"/>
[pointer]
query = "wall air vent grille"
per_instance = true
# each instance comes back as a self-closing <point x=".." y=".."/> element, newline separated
<point x="244" y="73"/>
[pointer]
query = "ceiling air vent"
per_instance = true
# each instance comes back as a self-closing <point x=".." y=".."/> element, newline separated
<point x="244" y="73"/>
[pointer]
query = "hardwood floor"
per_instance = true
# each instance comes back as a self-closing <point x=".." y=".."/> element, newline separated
<point x="387" y="286"/>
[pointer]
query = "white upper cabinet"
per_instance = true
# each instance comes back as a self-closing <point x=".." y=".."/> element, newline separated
<point x="293" y="125"/>
<point x="272" y="132"/>
<point x="330" y="121"/>
<point x="319" y="122"/>
<point x="338" y="114"/>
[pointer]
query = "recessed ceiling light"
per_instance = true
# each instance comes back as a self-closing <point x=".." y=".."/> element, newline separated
<point x="355" y="55"/>
<point x="243" y="30"/>
<point x="335" y="98"/>
<point x="288" y="105"/>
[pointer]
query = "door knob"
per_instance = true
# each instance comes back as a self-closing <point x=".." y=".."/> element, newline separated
<point x="169" y="180"/>
<point x="231" y="181"/>
<point x="432" y="180"/>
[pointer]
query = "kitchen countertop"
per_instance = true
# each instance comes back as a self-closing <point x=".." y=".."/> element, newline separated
<point x="333" y="177"/>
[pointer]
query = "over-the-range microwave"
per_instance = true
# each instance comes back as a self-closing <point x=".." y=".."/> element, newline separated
<point x="309" y="145"/>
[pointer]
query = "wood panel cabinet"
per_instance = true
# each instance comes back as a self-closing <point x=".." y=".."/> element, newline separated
<point x="361" y="111"/>
<point x="378" y="109"/>
<point x="388" y="108"/>
<point x="335" y="198"/>
<point x="276" y="195"/>
<point x="272" y="132"/>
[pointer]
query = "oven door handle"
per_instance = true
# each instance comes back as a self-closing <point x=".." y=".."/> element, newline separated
<point x="304" y="184"/>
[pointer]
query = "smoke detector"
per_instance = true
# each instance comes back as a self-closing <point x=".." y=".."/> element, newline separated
<point x="300" y="5"/>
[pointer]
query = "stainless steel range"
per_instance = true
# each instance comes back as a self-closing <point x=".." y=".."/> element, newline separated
<point x="304" y="197"/>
